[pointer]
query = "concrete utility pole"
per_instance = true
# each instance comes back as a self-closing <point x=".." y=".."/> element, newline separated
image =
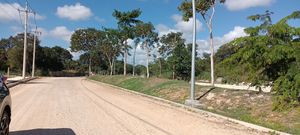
<point x="26" y="11"/>
<point x="36" y="33"/>
<point x="25" y="41"/>
<point x="192" y="101"/>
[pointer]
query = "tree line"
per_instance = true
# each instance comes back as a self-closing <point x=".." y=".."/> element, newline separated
<point x="171" y="50"/>
<point x="48" y="59"/>
<point x="268" y="56"/>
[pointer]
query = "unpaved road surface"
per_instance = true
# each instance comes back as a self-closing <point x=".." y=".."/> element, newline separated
<point x="69" y="106"/>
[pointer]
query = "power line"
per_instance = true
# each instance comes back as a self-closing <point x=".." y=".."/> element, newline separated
<point x="34" y="18"/>
<point x="18" y="9"/>
<point x="20" y="17"/>
<point x="11" y="5"/>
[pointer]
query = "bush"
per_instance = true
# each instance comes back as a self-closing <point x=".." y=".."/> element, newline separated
<point x="287" y="90"/>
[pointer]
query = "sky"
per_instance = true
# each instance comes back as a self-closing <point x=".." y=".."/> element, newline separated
<point x="58" y="19"/>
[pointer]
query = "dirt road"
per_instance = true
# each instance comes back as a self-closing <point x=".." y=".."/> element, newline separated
<point x="69" y="106"/>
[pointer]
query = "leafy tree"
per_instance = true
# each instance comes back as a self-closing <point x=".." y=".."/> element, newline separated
<point x="126" y="24"/>
<point x="148" y="38"/>
<point x="5" y="45"/>
<point x="181" y="57"/>
<point x="52" y="59"/>
<point x="86" y="40"/>
<point x="14" y="52"/>
<point x="168" y="44"/>
<point x="64" y="56"/>
<point x="269" y="56"/>
<point x="203" y="7"/>
<point x="111" y="47"/>
<point x="173" y="48"/>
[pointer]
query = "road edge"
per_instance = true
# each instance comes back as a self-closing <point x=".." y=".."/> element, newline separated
<point x="10" y="85"/>
<point x="195" y="110"/>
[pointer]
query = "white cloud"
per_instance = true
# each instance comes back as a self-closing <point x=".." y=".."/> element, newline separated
<point x="204" y="46"/>
<point x="244" y="4"/>
<point x="61" y="32"/>
<point x="99" y="20"/>
<point x="16" y="28"/>
<point x="186" y="27"/>
<point x="10" y="13"/>
<point x="237" y="32"/>
<point x="74" y="12"/>
<point x="163" y="29"/>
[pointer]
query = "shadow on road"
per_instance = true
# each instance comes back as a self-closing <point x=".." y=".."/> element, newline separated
<point x="58" y="131"/>
<point x="37" y="83"/>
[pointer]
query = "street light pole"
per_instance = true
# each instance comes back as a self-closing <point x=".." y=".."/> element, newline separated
<point x="193" y="54"/>
<point x="192" y="101"/>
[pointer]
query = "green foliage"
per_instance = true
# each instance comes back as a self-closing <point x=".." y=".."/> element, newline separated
<point x="177" y="55"/>
<point x="85" y="40"/>
<point x="268" y="56"/>
<point x="287" y="89"/>
<point x="181" y="60"/>
<point x="47" y="59"/>
<point x="202" y="7"/>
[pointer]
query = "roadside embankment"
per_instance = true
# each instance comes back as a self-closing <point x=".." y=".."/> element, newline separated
<point x="248" y="106"/>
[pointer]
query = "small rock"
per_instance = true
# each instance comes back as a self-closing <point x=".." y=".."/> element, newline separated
<point x="210" y="108"/>
<point x="247" y="95"/>
<point x="224" y="93"/>
<point x="228" y="101"/>
<point x="219" y="80"/>
<point x="219" y="102"/>
<point x="210" y="96"/>
<point x="260" y="96"/>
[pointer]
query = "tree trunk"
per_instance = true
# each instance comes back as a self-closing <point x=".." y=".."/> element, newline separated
<point x="111" y="67"/>
<point x="160" y="67"/>
<point x="8" y="71"/>
<point x="125" y="62"/>
<point x="147" y="53"/>
<point x="210" y="27"/>
<point x="114" y="66"/>
<point x="173" y="72"/>
<point x="212" y="59"/>
<point x="90" y="68"/>
<point x="212" y="46"/>
<point x="133" y="61"/>
<point x="125" y="58"/>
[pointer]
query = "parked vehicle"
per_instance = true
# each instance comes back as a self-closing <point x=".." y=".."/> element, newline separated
<point x="5" y="107"/>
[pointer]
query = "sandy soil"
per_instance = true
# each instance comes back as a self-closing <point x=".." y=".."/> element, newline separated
<point x="69" y="106"/>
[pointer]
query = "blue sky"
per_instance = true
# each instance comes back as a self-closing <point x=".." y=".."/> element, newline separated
<point x="57" y="19"/>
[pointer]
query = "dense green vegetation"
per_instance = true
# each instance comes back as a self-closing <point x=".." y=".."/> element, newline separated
<point x="47" y="59"/>
<point x="269" y="55"/>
